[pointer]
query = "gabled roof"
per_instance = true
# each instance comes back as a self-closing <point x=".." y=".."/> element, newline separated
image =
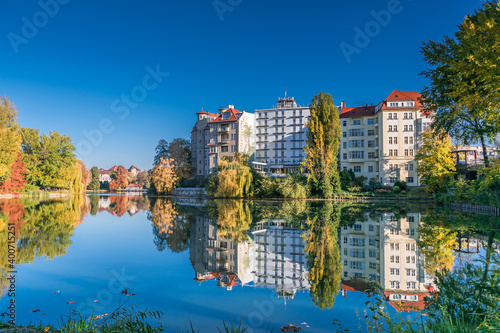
<point x="114" y="168"/>
<point x="360" y="111"/>
<point x="398" y="95"/>
<point x="134" y="168"/>
<point x="233" y="117"/>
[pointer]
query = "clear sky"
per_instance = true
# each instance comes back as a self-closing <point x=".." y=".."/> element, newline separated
<point x="128" y="73"/>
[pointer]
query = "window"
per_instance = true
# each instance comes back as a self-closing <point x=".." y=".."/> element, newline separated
<point x="357" y="241"/>
<point x="389" y="115"/>
<point x="405" y="128"/>
<point x="395" y="140"/>
<point x="356" y="132"/>
<point x="372" y="265"/>
<point x="390" y="140"/>
<point x="356" y="143"/>
<point x="394" y="116"/>
<point x="395" y="152"/>
<point x="371" y="132"/>
<point x="344" y="156"/>
<point x="371" y="155"/>
<point x="405" y="116"/>
<point x="392" y="179"/>
<point x="410" y="115"/>
<point x="371" y="144"/>
<point x="406" y="140"/>
<point x="406" y="167"/>
<point x="372" y="253"/>
<point x="410" y="128"/>
<point x="357" y="168"/>
<point x="408" y="259"/>
<point x="357" y="265"/>
<point x="409" y="180"/>
<point x="390" y="128"/>
<point x="371" y="227"/>
<point x="411" y="140"/>
<point x="344" y="145"/>
<point x="344" y="123"/>
<point x="344" y="134"/>
<point x="395" y="128"/>
<point x="357" y="253"/>
<point x="406" y="152"/>
<point x="370" y="168"/>
<point x="411" y="218"/>
<point x="411" y="152"/>
<point x="357" y="227"/>
<point x="373" y="242"/>
<point x="371" y="121"/>
<point x="390" y="152"/>
<point x="344" y="168"/>
<point x="356" y="122"/>
<point x="357" y="154"/>
<point x="411" y="167"/>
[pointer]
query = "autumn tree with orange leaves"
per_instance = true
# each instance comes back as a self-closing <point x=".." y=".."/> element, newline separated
<point x="164" y="176"/>
<point x="120" y="177"/>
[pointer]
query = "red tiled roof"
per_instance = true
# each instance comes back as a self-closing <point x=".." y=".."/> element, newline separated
<point x="398" y="95"/>
<point x="133" y="185"/>
<point x="134" y="168"/>
<point x="207" y="113"/>
<point x="233" y="117"/>
<point x="114" y="168"/>
<point x="407" y="306"/>
<point x="360" y="111"/>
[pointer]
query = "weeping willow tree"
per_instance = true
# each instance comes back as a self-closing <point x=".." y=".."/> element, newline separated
<point x="234" y="218"/>
<point x="233" y="178"/>
<point x="323" y="255"/>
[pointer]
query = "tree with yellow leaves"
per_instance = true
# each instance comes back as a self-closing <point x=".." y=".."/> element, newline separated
<point x="10" y="139"/>
<point x="233" y="178"/>
<point x="322" y="147"/>
<point x="435" y="162"/>
<point x="164" y="177"/>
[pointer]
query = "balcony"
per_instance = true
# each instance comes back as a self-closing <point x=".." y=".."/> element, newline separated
<point x="223" y="129"/>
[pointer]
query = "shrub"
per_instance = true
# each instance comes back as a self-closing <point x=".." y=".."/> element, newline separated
<point x="418" y="192"/>
<point x="396" y="189"/>
<point x="401" y="184"/>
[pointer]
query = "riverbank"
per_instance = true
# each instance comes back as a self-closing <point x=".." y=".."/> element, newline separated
<point x="36" y="195"/>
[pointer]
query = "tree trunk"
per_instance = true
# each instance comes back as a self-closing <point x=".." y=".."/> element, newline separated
<point x="485" y="153"/>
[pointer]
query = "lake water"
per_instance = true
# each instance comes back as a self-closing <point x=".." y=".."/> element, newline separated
<point x="272" y="264"/>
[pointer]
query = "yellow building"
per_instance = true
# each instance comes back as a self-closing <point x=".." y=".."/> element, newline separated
<point x="381" y="141"/>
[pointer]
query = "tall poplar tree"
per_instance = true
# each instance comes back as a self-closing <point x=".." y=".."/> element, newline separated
<point x="10" y="139"/>
<point x="323" y="139"/>
<point x="464" y="94"/>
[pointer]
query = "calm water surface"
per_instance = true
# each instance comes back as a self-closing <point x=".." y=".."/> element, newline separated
<point x="275" y="264"/>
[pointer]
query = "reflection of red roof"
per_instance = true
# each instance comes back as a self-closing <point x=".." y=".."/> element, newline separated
<point x="398" y="95"/>
<point x="232" y="118"/>
<point x="407" y="306"/>
<point x="360" y="111"/>
<point x="232" y="280"/>
<point x="133" y="185"/>
<point x="351" y="285"/>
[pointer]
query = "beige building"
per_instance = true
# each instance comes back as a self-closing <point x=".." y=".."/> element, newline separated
<point x="381" y="141"/>
<point x="220" y="135"/>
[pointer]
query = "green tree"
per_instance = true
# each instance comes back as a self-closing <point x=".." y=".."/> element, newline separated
<point x="161" y="151"/>
<point x="10" y="139"/>
<point x="464" y="93"/>
<point x="94" y="183"/>
<point x="435" y="163"/>
<point x="322" y="147"/>
<point x="49" y="159"/>
<point x="179" y="151"/>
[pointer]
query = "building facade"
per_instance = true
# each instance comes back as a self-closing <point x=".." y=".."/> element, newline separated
<point x="281" y="135"/>
<point x="220" y="135"/>
<point x="381" y="141"/>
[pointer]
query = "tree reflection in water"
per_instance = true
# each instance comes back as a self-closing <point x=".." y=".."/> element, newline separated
<point x="323" y="255"/>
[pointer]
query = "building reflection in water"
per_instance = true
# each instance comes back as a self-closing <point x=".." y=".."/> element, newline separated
<point x="384" y="250"/>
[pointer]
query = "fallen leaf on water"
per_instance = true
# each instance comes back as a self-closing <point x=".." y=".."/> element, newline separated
<point x="36" y="310"/>
<point x="71" y="302"/>
<point x="56" y="292"/>
<point x="95" y="301"/>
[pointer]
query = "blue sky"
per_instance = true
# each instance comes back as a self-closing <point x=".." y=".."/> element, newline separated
<point x="73" y="70"/>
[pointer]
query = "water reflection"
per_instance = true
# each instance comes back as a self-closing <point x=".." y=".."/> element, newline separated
<point x="325" y="249"/>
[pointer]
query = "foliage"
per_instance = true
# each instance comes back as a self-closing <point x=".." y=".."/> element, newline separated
<point x="401" y="184"/>
<point x="437" y="244"/>
<point x="10" y="140"/>
<point x="435" y="163"/>
<point x="294" y="186"/>
<point x="49" y="159"/>
<point x="323" y="255"/>
<point x="179" y="151"/>
<point x="375" y="184"/>
<point x="163" y="176"/>
<point x="170" y="228"/>
<point x="396" y="189"/>
<point x="322" y="146"/>
<point x="233" y="219"/>
<point x="346" y="178"/>
<point x="143" y="178"/>
<point x="464" y="74"/>
<point x="234" y="178"/>
<point x="94" y="183"/>
<point x="119" y="179"/>
<point x="16" y="181"/>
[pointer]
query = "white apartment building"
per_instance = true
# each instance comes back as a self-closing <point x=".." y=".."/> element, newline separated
<point x="381" y="141"/>
<point x="280" y="260"/>
<point x="220" y="135"/>
<point x="281" y="135"/>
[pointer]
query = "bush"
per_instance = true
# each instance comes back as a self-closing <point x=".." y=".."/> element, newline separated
<point x="402" y="185"/>
<point x="294" y="186"/>
<point x="418" y="192"/>
<point x="396" y="189"/>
